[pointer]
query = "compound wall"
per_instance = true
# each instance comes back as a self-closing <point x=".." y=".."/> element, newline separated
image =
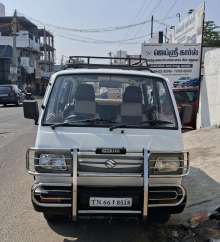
<point x="209" y="108"/>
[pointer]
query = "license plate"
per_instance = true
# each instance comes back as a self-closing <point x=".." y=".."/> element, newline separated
<point x="110" y="151"/>
<point x="110" y="202"/>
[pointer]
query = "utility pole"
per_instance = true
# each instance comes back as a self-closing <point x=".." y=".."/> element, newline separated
<point x="152" y="26"/>
<point x="166" y="38"/>
<point x="62" y="61"/>
<point x="179" y="17"/>
<point x="110" y="55"/>
<point x="45" y="51"/>
<point x="14" y="54"/>
<point x="53" y="58"/>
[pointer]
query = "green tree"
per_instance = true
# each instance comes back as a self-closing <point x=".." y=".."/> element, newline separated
<point x="211" y="35"/>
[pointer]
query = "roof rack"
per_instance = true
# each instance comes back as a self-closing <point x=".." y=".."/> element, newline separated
<point x="90" y="62"/>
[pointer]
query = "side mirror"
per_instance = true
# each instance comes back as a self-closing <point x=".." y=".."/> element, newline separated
<point x="31" y="110"/>
<point x="186" y="114"/>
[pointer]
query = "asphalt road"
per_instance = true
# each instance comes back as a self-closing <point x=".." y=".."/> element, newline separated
<point x="18" y="220"/>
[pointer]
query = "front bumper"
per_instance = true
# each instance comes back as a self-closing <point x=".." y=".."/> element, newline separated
<point x="72" y="197"/>
<point x="59" y="197"/>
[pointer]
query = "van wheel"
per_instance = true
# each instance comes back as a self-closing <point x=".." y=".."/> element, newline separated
<point x="5" y="105"/>
<point x="159" y="217"/>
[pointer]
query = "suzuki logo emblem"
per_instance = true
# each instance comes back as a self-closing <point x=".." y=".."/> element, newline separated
<point x="110" y="163"/>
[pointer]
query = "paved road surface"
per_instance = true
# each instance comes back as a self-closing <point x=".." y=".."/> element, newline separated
<point x="19" y="222"/>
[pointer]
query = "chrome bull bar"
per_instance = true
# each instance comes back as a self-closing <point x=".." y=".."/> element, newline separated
<point x="74" y="186"/>
<point x="74" y="174"/>
<point x="146" y="182"/>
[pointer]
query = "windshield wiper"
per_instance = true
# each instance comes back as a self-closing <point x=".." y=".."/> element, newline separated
<point x="121" y="125"/>
<point x="70" y="123"/>
<point x="151" y="122"/>
<point x="156" y="121"/>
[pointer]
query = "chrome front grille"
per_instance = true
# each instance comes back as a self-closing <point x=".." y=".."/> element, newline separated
<point x="129" y="163"/>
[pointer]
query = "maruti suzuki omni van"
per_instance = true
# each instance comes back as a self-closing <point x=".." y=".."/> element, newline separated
<point x="108" y="143"/>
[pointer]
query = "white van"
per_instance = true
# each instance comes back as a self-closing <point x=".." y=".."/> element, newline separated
<point x="109" y="142"/>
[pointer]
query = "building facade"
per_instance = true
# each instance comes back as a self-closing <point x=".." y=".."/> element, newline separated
<point x="5" y="62"/>
<point x="27" y="47"/>
<point x="47" y="57"/>
<point x="32" y="50"/>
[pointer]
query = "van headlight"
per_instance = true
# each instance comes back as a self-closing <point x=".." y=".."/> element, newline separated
<point x="56" y="161"/>
<point x="168" y="163"/>
<point x="52" y="162"/>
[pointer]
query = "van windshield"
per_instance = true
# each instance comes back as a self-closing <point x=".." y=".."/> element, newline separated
<point x="110" y="99"/>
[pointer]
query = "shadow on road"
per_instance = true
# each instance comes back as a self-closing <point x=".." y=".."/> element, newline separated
<point x="101" y="230"/>
<point x="201" y="189"/>
<point x="10" y="106"/>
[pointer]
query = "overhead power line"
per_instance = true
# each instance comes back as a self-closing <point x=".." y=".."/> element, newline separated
<point x="161" y="23"/>
<point x="146" y="7"/>
<point x="96" y="41"/>
<point x="89" y="30"/>
<point x="113" y="41"/>
<point x="96" y="30"/>
<point x="140" y="10"/>
<point x="156" y="6"/>
<point x="105" y="29"/>
<point x="154" y="9"/>
<point x="86" y="39"/>
<point x="171" y="8"/>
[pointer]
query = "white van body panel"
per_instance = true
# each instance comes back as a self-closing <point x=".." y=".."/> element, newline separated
<point x="87" y="138"/>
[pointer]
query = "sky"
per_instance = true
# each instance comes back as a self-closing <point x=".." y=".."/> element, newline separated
<point x="85" y="14"/>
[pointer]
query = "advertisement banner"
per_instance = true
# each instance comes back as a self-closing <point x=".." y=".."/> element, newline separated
<point x="174" y="61"/>
<point x="189" y="30"/>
